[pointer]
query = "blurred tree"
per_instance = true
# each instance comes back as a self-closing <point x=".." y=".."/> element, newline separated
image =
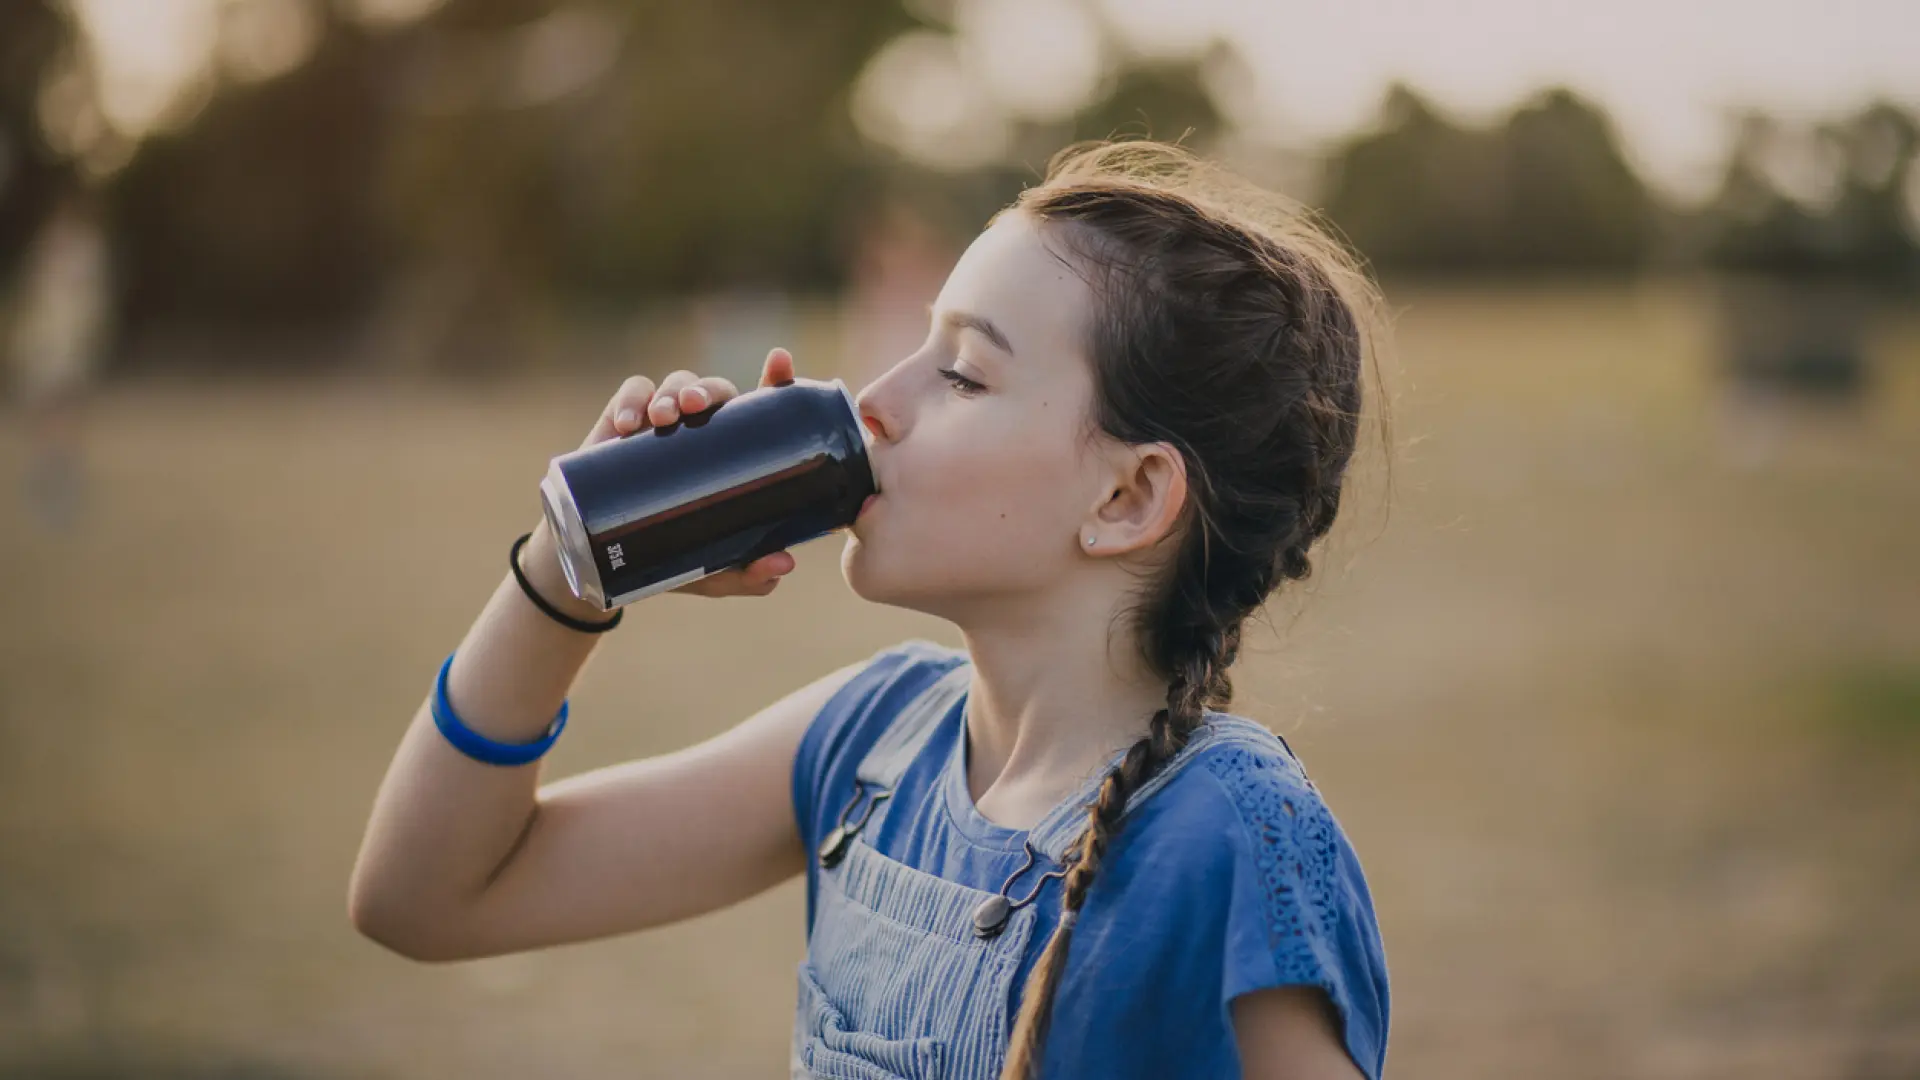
<point x="1809" y="224"/>
<point x="707" y="149"/>
<point x="261" y="211"/>
<point x="716" y="153"/>
<point x="1419" y="193"/>
<point x="502" y="152"/>
<point x="1161" y="101"/>
<point x="1576" y="202"/>
<point x="1548" y="190"/>
<point x="33" y="36"/>
<point x="1828" y="200"/>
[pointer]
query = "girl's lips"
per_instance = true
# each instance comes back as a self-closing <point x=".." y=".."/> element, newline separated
<point x="863" y="506"/>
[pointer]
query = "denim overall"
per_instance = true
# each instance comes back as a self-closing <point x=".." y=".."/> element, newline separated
<point x="897" y="984"/>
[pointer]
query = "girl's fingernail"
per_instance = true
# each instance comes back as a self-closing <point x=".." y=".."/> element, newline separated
<point x="700" y="393"/>
<point x="625" y="419"/>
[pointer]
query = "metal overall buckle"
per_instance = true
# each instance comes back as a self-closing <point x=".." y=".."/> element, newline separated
<point x="990" y="915"/>
<point x="834" y="848"/>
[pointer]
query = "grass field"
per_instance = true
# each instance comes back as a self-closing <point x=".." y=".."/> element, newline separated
<point x="1618" y="696"/>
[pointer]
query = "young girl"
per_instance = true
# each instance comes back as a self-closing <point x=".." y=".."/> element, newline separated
<point x="1047" y="854"/>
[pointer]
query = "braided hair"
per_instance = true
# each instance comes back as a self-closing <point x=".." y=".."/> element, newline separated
<point x="1240" y="343"/>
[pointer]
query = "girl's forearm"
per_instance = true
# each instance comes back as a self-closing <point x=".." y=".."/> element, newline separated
<point x="443" y="823"/>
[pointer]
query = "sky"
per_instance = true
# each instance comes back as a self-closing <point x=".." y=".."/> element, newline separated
<point x="1669" y="71"/>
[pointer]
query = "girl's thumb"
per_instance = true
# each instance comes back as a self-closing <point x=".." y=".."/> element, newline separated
<point x="778" y="370"/>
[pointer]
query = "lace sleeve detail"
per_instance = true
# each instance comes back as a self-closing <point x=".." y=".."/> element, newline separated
<point x="1301" y="893"/>
<point x="1295" y="847"/>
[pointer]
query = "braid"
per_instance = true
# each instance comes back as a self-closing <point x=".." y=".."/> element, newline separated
<point x="1197" y="682"/>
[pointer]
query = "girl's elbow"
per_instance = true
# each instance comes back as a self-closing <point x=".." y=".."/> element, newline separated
<point x="389" y="922"/>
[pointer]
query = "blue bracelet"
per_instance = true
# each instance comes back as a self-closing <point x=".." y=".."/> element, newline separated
<point x="478" y="746"/>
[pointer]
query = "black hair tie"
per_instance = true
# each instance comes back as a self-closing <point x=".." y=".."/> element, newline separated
<point x="554" y="613"/>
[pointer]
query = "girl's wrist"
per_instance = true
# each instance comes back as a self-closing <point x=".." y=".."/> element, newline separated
<point x="540" y="561"/>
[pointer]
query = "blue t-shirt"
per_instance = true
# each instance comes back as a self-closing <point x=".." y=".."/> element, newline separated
<point x="1231" y="878"/>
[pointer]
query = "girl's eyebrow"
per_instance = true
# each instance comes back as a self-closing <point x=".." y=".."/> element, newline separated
<point x="966" y="320"/>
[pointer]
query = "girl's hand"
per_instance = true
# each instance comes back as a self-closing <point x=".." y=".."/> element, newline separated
<point x="639" y="405"/>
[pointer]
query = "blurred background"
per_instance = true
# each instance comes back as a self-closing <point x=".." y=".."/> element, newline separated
<point x="1615" y="684"/>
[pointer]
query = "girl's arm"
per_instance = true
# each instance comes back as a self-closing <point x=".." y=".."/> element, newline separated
<point x="464" y="859"/>
<point x="1290" y="1033"/>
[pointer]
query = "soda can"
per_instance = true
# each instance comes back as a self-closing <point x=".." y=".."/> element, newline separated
<point x="657" y="509"/>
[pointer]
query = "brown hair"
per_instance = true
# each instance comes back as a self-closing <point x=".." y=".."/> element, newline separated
<point x="1230" y="327"/>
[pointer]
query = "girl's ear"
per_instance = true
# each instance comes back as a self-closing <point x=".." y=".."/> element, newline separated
<point x="1142" y="503"/>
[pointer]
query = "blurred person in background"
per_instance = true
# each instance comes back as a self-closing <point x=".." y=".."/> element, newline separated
<point x="1050" y="853"/>
<point x="59" y="327"/>
<point x="900" y="260"/>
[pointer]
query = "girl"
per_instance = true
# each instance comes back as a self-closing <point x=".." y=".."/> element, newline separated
<point x="1047" y="854"/>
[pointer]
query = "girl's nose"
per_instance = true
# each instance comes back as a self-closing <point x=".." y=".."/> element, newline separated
<point x="873" y="416"/>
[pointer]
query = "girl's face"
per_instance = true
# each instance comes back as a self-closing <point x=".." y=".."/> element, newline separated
<point x="978" y="446"/>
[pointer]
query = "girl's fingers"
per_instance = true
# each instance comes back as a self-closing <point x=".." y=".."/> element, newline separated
<point x="764" y="571"/>
<point x="639" y="403"/>
<point x="626" y="411"/>
<point x="756" y="588"/>
<point x="757" y="578"/>
<point x="705" y="394"/>
<point x="665" y="408"/>
<point x="778" y="370"/>
<point x="770" y="566"/>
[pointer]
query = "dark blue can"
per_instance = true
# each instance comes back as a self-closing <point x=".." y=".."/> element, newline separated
<point x="655" y="510"/>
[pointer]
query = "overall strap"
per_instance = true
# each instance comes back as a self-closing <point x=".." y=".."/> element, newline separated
<point x="903" y="739"/>
<point x="888" y="759"/>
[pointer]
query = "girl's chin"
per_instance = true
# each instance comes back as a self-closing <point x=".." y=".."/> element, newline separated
<point x="867" y="579"/>
<point x="853" y="564"/>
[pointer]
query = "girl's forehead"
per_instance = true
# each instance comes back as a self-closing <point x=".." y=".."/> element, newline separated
<point x="1019" y="278"/>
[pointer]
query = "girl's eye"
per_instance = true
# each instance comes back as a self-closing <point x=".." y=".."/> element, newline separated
<point x="961" y="382"/>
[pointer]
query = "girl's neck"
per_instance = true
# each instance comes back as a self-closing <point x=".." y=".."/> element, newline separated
<point x="1051" y="701"/>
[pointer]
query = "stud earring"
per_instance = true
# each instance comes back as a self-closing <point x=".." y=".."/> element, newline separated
<point x="1090" y="541"/>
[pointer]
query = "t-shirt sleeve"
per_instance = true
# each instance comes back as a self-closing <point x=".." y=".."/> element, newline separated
<point x="1299" y="913"/>
<point x="849" y="723"/>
